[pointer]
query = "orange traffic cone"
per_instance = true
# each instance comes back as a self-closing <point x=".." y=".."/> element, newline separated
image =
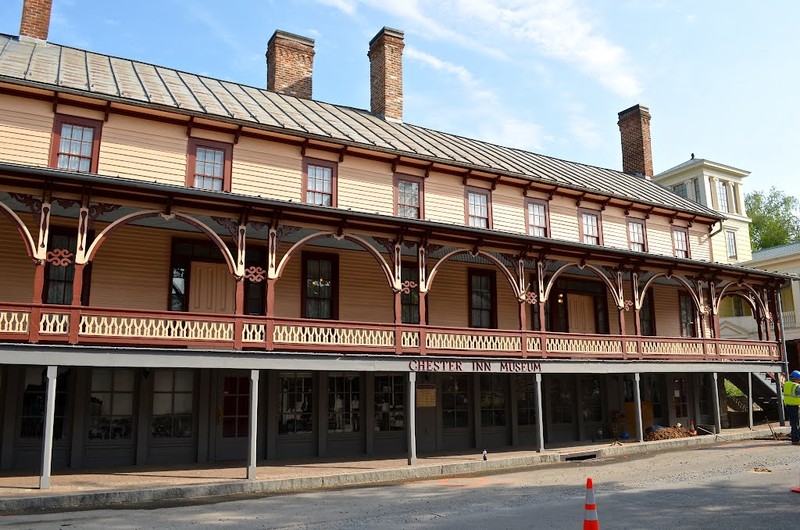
<point x="590" y="521"/>
<point x="692" y="431"/>
<point x="795" y="490"/>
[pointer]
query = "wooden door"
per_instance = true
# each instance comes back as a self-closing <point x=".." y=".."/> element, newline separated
<point x="580" y="311"/>
<point x="211" y="288"/>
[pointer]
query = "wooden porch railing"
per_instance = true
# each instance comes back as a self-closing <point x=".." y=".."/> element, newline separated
<point x="90" y="325"/>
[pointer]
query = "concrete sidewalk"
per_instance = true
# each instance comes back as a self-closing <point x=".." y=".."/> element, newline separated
<point x="135" y="486"/>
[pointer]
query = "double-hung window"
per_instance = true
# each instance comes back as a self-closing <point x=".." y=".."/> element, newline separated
<point x="319" y="182"/>
<point x="536" y="218"/>
<point x="591" y="229"/>
<point x="636" y="235"/>
<point x="320" y="272"/>
<point x="730" y="243"/>
<point x="680" y="242"/>
<point x="722" y="196"/>
<point x="75" y="144"/>
<point x="482" y="296"/>
<point x="209" y="165"/>
<point x="479" y="208"/>
<point x="408" y="197"/>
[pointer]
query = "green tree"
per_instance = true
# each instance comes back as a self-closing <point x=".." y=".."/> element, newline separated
<point x="775" y="218"/>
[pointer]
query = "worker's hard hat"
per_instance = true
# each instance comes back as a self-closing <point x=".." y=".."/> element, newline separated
<point x="795" y="374"/>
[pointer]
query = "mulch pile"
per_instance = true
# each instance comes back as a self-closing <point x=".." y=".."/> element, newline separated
<point x="665" y="433"/>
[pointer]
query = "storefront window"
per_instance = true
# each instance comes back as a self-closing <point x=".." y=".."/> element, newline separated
<point x="235" y="407"/>
<point x="526" y="400"/>
<point x="295" y="399"/>
<point x="344" y="403"/>
<point x="493" y="400"/>
<point x="173" y="403"/>
<point x="111" y="404"/>
<point x="561" y="403"/>
<point x="390" y="402"/>
<point x="455" y="402"/>
<point x="34" y="399"/>
<point x="592" y="401"/>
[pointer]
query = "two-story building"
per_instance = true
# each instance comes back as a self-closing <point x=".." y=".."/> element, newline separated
<point x="197" y="270"/>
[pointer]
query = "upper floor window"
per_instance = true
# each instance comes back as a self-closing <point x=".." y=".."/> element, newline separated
<point x="409" y="301"/>
<point x="479" y="208"/>
<point x="536" y="218"/>
<point x="730" y="243"/>
<point x="319" y="182"/>
<point x="591" y="231"/>
<point x="75" y="144"/>
<point x="482" y="299"/>
<point x="681" y="189"/>
<point x="209" y="165"/>
<point x="636" y="235"/>
<point x="722" y="196"/>
<point x="680" y="242"/>
<point x="408" y="197"/>
<point x="320" y="272"/>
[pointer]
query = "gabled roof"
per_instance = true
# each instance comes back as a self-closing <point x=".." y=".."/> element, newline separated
<point x="790" y="249"/>
<point x="70" y="70"/>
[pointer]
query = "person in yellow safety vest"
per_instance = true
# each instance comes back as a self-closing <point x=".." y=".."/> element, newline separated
<point x="791" y="398"/>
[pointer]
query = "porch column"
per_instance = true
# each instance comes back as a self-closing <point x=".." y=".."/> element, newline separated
<point x="253" y="430"/>
<point x="269" y="329"/>
<point x="750" y="399"/>
<point x="423" y="322"/>
<point x="238" y="322"/>
<point x="637" y="396"/>
<point x="398" y="322"/>
<point x="539" y="415"/>
<point x="411" y="419"/>
<point x="47" y="437"/>
<point x="717" y="417"/>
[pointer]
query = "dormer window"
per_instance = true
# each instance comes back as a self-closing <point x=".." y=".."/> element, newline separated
<point x="722" y="196"/>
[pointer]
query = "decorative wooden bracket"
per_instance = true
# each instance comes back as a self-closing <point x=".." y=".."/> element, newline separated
<point x="428" y="170"/>
<point x="189" y="126"/>
<point x="342" y="152"/>
<point x="237" y="135"/>
<point x="303" y="147"/>
<point x="394" y="163"/>
<point x="579" y="199"/>
<point x="107" y="111"/>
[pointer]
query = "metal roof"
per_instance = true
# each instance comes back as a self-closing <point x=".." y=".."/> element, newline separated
<point x="66" y="69"/>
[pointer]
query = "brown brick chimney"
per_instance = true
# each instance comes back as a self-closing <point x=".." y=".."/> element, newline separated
<point x="290" y="61"/>
<point x="386" y="74"/>
<point x="35" y="22"/>
<point x="634" y="129"/>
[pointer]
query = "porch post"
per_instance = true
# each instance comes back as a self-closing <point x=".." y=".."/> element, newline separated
<point x="398" y="322"/>
<point x="411" y="419"/>
<point x="779" y="391"/>
<point x="717" y="417"/>
<point x="637" y="396"/>
<point x="750" y="399"/>
<point x="47" y="437"/>
<point x="269" y="327"/>
<point x="238" y="323"/>
<point x="253" y="430"/>
<point x="539" y="415"/>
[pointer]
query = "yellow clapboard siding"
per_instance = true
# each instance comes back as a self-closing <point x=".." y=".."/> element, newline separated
<point x="508" y="210"/>
<point x="16" y="281"/>
<point x="364" y="292"/>
<point x="26" y="129"/>
<point x="268" y="169"/>
<point x="366" y="185"/>
<point x="666" y="311"/>
<point x="444" y="199"/>
<point x="132" y="269"/>
<point x="145" y="150"/>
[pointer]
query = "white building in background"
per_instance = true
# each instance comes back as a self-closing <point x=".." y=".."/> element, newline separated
<point x="718" y="187"/>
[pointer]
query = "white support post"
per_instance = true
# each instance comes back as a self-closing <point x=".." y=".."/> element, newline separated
<point x="637" y="396"/>
<point x="411" y="419"/>
<point x="750" y="399"/>
<point x="539" y="415"/>
<point x="253" y="432"/>
<point x="717" y="417"/>
<point x="49" y="419"/>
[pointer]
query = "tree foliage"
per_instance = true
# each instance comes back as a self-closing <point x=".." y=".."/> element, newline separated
<point x="775" y="216"/>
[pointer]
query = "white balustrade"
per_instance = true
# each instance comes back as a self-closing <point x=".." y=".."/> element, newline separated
<point x="155" y="328"/>
<point x="13" y="322"/>
<point x="569" y="345"/>
<point x="657" y="347"/>
<point x="466" y="342"/>
<point x="54" y="323"/>
<point x="289" y="334"/>
<point x="410" y="339"/>
<point x="253" y="332"/>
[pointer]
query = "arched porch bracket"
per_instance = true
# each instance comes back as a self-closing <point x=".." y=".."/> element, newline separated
<point x="680" y="279"/>
<point x="127" y="219"/>
<point x="614" y="290"/>
<point x="508" y="274"/>
<point x="385" y="268"/>
<point x="756" y="298"/>
<point x="33" y="252"/>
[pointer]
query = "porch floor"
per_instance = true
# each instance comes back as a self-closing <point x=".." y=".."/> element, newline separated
<point x="139" y="485"/>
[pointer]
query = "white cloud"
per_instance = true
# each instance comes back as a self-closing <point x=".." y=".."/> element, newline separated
<point x="488" y="118"/>
<point x="583" y="128"/>
<point x="346" y="6"/>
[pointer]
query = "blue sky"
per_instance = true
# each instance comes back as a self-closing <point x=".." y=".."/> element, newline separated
<point x="720" y="77"/>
